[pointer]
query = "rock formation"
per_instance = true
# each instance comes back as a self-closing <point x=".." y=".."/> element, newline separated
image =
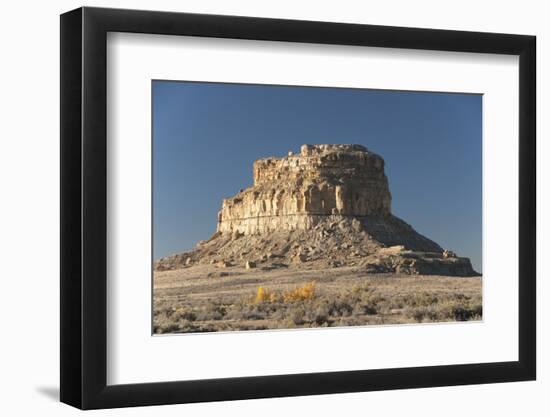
<point x="329" y="204"/>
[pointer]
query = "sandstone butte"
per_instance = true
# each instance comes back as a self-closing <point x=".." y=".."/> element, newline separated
<point x="327" y="206"/>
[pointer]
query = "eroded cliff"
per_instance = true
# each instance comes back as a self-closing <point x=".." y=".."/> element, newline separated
<point x="327" y="205"/>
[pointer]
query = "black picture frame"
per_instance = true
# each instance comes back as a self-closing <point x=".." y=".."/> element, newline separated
<point x="84" y="207"/>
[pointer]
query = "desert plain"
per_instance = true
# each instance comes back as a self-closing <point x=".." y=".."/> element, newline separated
<point x="209" y="298"/>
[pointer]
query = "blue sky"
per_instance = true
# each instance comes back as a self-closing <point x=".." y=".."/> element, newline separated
<point x="207" y="135"/>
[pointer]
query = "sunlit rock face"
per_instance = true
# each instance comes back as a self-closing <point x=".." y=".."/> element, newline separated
<point x="295" y="191"/>
<point x="328" y="206"/>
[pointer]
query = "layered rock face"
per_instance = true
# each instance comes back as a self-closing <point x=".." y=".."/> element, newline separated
<point x="293" y="192"/>
<point x="328" y="206"/>
<point x="299" y="191"/>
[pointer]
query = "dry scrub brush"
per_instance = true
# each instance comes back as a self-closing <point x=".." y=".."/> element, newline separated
<point x="308" y="305"/>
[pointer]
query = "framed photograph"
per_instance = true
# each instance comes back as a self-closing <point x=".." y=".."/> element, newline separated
<point x="257" y="208"/>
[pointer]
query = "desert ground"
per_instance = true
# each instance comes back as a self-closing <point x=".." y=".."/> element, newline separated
<point x="209" y="298"/>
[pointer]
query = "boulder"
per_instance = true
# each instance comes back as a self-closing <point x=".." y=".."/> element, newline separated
<point x="223" y="264"/>
<point x="449" y="254"/>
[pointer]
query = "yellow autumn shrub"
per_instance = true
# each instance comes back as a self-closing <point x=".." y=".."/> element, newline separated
<point x="305" y="292"/>
<point x="264" y="295"/>
<point x="301" y="293"/>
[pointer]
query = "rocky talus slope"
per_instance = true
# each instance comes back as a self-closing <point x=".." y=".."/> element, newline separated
<point x="328" y="206"/>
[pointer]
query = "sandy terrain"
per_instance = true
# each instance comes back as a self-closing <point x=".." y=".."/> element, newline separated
<point x="212" y="298"/>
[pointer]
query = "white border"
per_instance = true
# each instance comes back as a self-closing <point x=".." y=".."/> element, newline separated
<point x="134" y="356"/>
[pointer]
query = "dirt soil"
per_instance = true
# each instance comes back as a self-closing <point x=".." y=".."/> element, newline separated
<point x="217" y="297"/>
